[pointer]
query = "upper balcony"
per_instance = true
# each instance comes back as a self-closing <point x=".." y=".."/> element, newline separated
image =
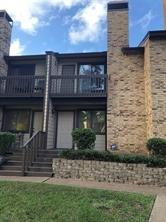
<point x="60" y="86"/>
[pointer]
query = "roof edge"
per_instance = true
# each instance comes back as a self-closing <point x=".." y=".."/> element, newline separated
<point x="152" y="35"/>
<point x="122" y="5"/>
<point x="133" y="50"/>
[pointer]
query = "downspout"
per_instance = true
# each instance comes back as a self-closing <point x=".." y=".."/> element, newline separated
<point x="47" y="93"/>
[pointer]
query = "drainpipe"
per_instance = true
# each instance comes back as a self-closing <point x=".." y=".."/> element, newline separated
<point x="47" y="92"/>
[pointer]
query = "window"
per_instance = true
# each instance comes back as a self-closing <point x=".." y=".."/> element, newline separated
<point x="92" y="119"/>
<point x="91" y="69"/>
<point x="84" y="119"/>
<point x="24" y="69"/>
<point x="91" y="83"/>
<point x="17" y="121"/>
<point x="98" y="121"/>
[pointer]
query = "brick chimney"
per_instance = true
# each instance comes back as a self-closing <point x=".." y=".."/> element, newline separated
<point x="5" y="39"/>
<point x="126" y="125"/>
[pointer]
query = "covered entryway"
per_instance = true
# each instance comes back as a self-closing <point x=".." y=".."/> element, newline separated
<point x="64" y="129"/>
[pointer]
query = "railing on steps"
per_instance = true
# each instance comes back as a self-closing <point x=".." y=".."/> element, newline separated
<point x="30" y="149"/>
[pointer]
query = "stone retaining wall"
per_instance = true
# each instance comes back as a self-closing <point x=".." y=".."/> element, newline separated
<point x="109" y="172"/>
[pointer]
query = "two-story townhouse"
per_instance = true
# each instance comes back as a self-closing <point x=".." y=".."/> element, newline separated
<point x="119" y="93"/>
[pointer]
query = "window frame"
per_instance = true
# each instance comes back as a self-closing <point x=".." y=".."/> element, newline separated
<point x="15" y="131"/>
<point x="91" y="63"/>
<point x="91" y="118"/>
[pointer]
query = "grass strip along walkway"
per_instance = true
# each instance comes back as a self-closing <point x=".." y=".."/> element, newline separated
<point x="36" y="202"/>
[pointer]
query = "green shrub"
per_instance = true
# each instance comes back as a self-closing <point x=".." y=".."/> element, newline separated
<point x="113" y="157"/>
<point x="6" y="140"/>
<point x="84" y="138"/>
<point x="157" y="146"/>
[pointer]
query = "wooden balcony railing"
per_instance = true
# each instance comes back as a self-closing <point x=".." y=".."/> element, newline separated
<point x="22" y="86"/>
<point x="78" y="86"/>
<point x="60" y="86"/>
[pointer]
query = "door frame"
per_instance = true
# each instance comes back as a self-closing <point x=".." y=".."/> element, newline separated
<point x="32" y="119"/>
<point x="56" y="128"/>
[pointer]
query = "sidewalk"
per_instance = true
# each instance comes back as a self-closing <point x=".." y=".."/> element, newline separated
<point x="159" y="210"/>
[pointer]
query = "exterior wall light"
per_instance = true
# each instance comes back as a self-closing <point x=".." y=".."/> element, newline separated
<point x="113" y="147"/>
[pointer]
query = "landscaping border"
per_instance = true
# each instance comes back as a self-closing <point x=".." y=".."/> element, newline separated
<point x="109" y="172"/>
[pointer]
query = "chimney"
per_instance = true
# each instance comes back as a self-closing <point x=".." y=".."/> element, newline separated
<point x="118" y="24"/>
<point x="164" y="8"/>
<point x="117" y="69"/>
<point x="5" y="39"/>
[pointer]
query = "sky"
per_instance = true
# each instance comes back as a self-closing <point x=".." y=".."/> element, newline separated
<point x="74" y="25"/>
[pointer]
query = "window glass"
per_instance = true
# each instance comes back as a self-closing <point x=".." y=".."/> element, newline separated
<point x="97" y="69"/>
<point x="17" y="121"/>
<point x="84" y="119"/>
<point x="98" y="121"/>
<point x="93" y="119"/>
<point x="91" y="83"/>
<point x="85" y="69"/>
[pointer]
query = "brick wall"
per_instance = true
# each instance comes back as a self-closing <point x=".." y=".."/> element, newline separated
<point x="5" y="38"/>
<point x="156" y="76"/>
<point x="126" y="117"/>
<point x="109" y="172"/>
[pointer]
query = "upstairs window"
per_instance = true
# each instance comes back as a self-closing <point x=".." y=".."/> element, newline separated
<point x="91" y="78"/>
<point x="91" y="69"/>
<point x="23" y="69"/>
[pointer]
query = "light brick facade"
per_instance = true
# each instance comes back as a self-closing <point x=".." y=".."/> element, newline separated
<point x="136" y="105"/>
<point x="5" y="38"/>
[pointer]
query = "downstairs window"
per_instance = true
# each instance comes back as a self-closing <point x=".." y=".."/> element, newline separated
<point x="92" y="119"/>
<point x="17" y="121"/>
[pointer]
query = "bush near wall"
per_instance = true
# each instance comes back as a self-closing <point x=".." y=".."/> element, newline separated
<point x="6" y="141"/>
<point x="84" y="138"/>
<point x="157" y="146"/>
<point x="106" y="156"/>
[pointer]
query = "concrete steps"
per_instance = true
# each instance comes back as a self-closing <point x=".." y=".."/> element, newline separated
<point x="42" y="166"/>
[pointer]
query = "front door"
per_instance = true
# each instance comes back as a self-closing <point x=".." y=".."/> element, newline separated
<point x="37" y="121"/>
<point x="64" y="130"/>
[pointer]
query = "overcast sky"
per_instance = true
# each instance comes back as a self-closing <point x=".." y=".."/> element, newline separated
<point x="73" y="25"/>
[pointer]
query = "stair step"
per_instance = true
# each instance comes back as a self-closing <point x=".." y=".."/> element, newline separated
<point x="47" y="155"/>
<point x="14" y="163"/>
<point x="42" y="164"/>
<point x="49" y="151"/>
<point x="10" y="173"/>
<point x="38" y="174"/>
<point x="44" y="159"/>
<point x="11" y="168"/>
<point x="40" y="169"/>
<point x="15" y="158"/>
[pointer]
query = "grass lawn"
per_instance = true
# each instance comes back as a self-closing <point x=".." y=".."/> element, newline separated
<point x="31" y="202"/>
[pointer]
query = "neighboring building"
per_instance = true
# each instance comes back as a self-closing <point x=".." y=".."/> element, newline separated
<point x="120" y="93"/>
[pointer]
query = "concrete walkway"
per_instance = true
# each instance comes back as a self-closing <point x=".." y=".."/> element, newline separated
<point x="159" y="210"/>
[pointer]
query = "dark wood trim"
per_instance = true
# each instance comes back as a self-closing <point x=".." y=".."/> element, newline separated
<point x="82" y="55"/>
<point x="133" y="50"/>
<point x="25" y="58"/>
<point x="74" y="123"/>
<point x="106" y="130"/>
<point x="154" y="35"/>
<point x="56" y="130"/>
<point x="32" y="122"/>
